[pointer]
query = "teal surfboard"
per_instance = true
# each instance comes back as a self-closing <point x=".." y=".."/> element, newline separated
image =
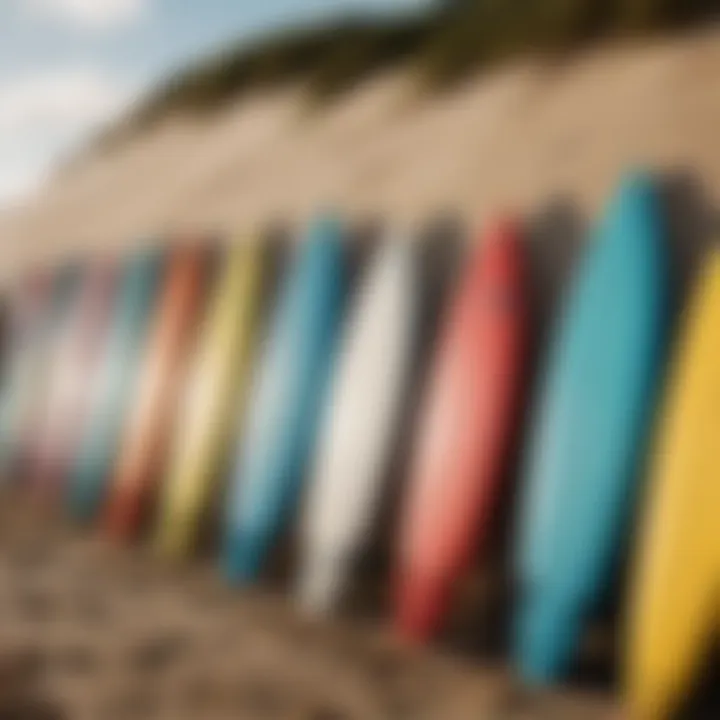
<point x="114" y="383"/>
<point x="590" y="430"/>
<point x="285" y="405"/>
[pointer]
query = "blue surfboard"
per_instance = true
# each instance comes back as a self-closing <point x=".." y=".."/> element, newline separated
<point x="114" y="382"/>
<point x="287" y="397"/>
<point x="590" y="430"/>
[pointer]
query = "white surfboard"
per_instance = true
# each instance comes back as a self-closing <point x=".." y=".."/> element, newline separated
<point x="359" y="426"/>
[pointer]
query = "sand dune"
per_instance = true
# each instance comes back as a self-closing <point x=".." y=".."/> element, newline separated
<point x="511" y="138"/>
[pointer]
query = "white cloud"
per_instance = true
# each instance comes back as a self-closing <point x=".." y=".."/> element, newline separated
<point x="62" y="98"/>
<point x="17" y="183"/>
<point x="93" y="14"/>
<point x="43" y="116"/>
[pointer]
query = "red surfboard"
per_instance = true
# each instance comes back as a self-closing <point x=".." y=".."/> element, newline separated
<point x="76" y="364"/>
<point x="144" y="446"/>
<point x="464" y="432"/>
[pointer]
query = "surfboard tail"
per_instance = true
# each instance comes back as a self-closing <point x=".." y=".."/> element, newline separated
<point x="653" y="694"/>
<point x="422" y="602"/>
<point x="175" y="534"/>
<point x="243" y="556"/>
<point x="320" y="584"/>
<point x="123" y="515"/>
<point x="545" y="637"/>
<point x="86" y="494"/>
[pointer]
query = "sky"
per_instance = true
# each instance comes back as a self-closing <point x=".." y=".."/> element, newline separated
<point x="68" y="67"/>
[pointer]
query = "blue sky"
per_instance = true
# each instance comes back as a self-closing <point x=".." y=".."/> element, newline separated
<point x="69" y="66"/>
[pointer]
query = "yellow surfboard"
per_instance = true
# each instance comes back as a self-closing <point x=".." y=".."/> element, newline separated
<point x="215" y="390"/>
<point x="673" y="610"/>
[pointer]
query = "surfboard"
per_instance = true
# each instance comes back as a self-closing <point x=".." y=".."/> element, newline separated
<point x="143" y="448"/>
<point x="464" y="432"/>
<point x="49" y="386"/>
<point x="66" y="285"/>
<point x="6" y="336"/>
<point x="115" y="383"/>
<point x="217" y="382"/>
<point x="359" y="425"/>
<point x="287" y="398"/>
<point x="674" y="595"/>
<point x="57" y="294"/>
<point x="589" y="431"/>
<point x="28" y="303"/>
<point x="76" y="364"/>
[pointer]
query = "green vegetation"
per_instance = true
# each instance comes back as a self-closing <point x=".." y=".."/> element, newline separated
<point x="452" y="40"/>
<point x="329" y="59"/>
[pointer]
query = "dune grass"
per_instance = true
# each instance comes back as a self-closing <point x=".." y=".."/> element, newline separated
<point x="454" y="39"/>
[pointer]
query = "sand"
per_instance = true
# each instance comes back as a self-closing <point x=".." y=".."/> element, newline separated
<point x="92" y="631"/>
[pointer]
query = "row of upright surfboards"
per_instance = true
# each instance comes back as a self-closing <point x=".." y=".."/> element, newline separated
<point x="144" y="392"/>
